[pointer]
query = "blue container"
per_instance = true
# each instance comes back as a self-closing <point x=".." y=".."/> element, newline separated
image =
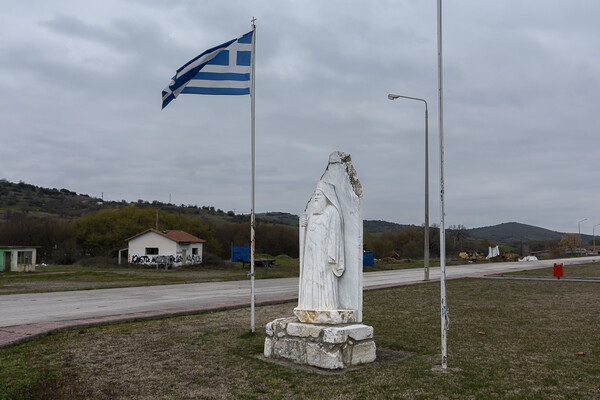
<point x="240" y="253"/>
<point x="368" y="258"/>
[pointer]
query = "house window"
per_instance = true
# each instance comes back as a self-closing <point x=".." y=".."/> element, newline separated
<point x="151" y="251"/>
<point x="195" y="251"/>
<point x="25" y="257"/>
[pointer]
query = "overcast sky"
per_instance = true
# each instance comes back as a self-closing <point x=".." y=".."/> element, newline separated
<point x="80" y="104"/>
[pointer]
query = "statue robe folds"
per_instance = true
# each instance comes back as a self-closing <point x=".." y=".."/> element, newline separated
<point x="323" y="261"/>
<point x="326" y="330"/>
<point x="330" y="289"/>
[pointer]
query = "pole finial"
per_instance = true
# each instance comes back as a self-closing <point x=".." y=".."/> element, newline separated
<point x="253" y="25"/>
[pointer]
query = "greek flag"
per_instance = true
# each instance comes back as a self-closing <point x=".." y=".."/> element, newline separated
<point x="224" y="69"/>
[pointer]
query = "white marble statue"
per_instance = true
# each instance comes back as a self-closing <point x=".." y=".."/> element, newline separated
<point x="326" y="330"/>
<point x="330" y="289"/>
<point x="322" y="236"/>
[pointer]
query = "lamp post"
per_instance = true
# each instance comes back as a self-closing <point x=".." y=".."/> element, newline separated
<point x="579" y="229"/>
<point x="579" y="226"/>
<point x="426" y="238"/>
<point x="594" y="236"/>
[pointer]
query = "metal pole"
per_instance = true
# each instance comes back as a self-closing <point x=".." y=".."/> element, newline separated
<point x="594" y="235"/>
<point x="252" y="225"/>
<point x="444" y="310"/>
<point x="426" y="244"/>
<point x="579" y="226"/>
<point x="426" y="231"/>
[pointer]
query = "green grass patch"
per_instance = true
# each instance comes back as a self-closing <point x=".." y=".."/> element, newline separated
<point x="507" y="339"/>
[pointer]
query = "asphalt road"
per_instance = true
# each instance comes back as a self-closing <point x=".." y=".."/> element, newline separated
<point x="24" y="309"/>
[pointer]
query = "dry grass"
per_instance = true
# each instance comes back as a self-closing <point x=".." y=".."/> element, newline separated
<point x="61" y="278"/>
<point x="569" y="271"/>
<point x="508" y="339"/>
<point x="55" y="278"/>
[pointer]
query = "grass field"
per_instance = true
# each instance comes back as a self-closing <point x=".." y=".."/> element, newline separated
<point x="507" y="339"/>
<point x="54" y="278"/>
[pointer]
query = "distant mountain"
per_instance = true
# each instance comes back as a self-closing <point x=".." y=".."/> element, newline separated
<point x="516" y="232"/>
<point x="509" y="232"/>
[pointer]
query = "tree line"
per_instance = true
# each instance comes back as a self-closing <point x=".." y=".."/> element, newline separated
<point x="104" y="233"/>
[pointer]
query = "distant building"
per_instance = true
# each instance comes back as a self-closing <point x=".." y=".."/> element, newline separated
<point x="593" y="250"/>
<point x="165" y="247"/>
<point x="17" y="258"/>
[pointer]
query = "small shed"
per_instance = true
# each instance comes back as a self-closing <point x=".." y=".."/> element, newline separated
<point x="176" y="247"/>
<point x="17" y="258"/>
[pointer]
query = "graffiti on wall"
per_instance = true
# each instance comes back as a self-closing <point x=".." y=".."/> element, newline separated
<point x="178" y="259"/>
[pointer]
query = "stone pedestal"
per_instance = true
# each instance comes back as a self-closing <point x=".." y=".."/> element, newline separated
<point x="325" y="346"/>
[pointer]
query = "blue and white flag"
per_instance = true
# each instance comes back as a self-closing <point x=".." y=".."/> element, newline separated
<point x="224" y="70"/>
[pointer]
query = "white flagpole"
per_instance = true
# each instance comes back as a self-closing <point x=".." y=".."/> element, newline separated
<point x="252" y="227"/>
<point x="444" y="307"/>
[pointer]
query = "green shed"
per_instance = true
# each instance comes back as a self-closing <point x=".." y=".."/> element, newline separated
<point x="17" y="258"/>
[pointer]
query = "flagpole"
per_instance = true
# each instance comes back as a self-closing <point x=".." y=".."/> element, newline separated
<point x="444" y="307"/>
<point x="252" y="224"/>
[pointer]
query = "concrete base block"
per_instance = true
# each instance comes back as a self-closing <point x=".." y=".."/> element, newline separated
<point x="320" y="345"/>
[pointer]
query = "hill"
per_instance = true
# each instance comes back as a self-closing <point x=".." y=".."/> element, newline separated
<point x="513" y="232"/>
<point x="34" y="201"/>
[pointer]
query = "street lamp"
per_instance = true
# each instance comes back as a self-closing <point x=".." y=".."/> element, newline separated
<point x="426" y="239"/>
<point x="579" y="225"/>
<point x="594" y="235"/>
<point x="579" y="229"/>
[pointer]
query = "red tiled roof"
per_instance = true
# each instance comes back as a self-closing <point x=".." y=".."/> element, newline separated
<point x="177" y="236"/>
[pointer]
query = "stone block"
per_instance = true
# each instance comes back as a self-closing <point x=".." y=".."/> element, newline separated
<point x="268" y="347"/>
<point x="347" y="354"/>
<point x="359" y="332"/>
<point x="363" y="353"/>
<point x="282" y="322"/>
<point x="332" y="317"/>
<point x="318" y="355"/>
<point x="334" y="335"/>
<point x="303" y="330"/>
<point x="278" y="324"/>
<point x="269" y="328"/>
<point x="291" y="349"/>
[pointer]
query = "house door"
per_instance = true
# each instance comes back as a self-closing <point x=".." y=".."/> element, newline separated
<point x="183" y="254"/>
<point x="7" y="261"/>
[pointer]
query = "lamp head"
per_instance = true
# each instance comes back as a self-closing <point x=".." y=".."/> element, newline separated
<point x="392" y="97"/>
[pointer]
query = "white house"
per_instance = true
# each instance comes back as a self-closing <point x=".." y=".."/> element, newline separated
<point x="17" y="258"/>
<point x="179" y="247"/>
